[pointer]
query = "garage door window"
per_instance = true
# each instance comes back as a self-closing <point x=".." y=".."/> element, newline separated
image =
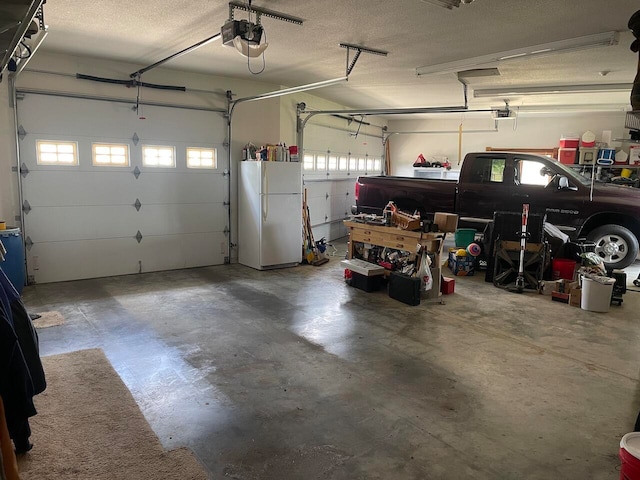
<point x="57" y="153"/>
<point x="308" y="162"/>
<point x="202" y="158"/>
<point x="158" y="156"/>
<point x="110" y="155"/>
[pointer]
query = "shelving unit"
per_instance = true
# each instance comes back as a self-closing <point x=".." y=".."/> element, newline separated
<point x="601" y="171"/>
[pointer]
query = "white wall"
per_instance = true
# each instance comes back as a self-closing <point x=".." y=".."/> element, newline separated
<point x="530" y="132"/>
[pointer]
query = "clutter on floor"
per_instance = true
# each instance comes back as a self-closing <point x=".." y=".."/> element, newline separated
<point x="409" y="257"/>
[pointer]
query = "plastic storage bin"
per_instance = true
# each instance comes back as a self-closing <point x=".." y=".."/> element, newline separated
<point x="596" y="297"/>
<point x="13" y="266"/>
<point x="567" y="155"/>
<point x="464" y="236"/>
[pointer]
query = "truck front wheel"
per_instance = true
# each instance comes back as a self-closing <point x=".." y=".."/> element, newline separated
<point x="615" y="245"/>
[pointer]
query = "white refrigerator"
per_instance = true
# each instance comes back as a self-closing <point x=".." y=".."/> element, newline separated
<point x="270" y="214"/>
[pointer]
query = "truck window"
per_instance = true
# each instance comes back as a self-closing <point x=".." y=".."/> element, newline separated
<point x="488" y="170"/>
<point x="531" y="172"/>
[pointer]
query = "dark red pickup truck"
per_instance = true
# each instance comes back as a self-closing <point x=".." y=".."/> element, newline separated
<point x="606" y="214"/>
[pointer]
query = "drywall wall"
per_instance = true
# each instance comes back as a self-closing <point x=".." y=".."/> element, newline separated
<point x="528" y="131"/>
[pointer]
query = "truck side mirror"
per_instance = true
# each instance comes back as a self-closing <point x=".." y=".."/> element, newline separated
<point x="563" y="184"/>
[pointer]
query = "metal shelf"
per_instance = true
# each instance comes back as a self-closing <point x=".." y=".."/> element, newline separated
<point x="625" y="140"/>
<point x="576" y="165"/>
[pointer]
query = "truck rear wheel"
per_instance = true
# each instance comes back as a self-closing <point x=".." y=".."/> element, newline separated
<point x="615" y="245"/>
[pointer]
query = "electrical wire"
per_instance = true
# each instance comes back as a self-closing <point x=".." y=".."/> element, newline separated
<point x="26" y="47"/>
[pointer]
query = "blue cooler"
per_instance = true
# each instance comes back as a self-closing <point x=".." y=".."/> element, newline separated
<point x="13" y="265"/>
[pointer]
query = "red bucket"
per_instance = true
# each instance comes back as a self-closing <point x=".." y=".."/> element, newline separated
<point x="563" y="268"/>
<point x="629" y="453"/>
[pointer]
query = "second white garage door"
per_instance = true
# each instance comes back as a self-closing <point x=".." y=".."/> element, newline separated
<point x="107" y="193"/>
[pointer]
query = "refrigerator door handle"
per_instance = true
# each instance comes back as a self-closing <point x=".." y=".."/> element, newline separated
<point x="265" y="196"/>
<point x="265" y="207"/>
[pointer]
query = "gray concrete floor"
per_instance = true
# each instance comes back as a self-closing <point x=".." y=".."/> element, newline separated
<point x="291" y="374"/>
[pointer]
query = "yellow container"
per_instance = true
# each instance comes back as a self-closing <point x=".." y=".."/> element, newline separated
<point x="3" y="225"/>
<point x="626" y="172"/>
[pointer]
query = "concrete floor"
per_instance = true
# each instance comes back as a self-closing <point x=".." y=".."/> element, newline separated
<point x="291" y="374"/>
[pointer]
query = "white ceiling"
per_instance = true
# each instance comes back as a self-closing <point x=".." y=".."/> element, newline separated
<point x="415" y="33"/>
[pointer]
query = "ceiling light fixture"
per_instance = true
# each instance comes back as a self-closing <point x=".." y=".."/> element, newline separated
<point x="448" y="4"/>
<point x="550" y="90"/>
<point x="569" y="45"/>
<point x="298" y="89"/>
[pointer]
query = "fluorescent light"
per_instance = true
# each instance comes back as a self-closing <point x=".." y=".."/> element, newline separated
<point x="443" y="3"/>
<point x="550" y="90"/>
<point x="569" y="45"/>
<point x="289" y="91"/>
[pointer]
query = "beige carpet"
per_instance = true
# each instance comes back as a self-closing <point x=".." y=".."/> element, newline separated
<point x="89" y="427"/>
<point x="48" y="319"/>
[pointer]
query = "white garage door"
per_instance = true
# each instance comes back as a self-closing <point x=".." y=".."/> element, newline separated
<point x="106" y="211"/>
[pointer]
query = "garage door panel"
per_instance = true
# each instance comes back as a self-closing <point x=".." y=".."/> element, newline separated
<point x="181" y="188"/>
<point x="56" y="115"/>
<point x="60" y="188"/>
<point x="83" y="221"/>
<point x="317" y="210"/>
<point x="337" y="207"/>
<point x="169" y="252"/>
<point x="316" y="189"/>
<point x="73" y="260"/>
<point x="175" y="219"/>
<point x="58" y="224"/>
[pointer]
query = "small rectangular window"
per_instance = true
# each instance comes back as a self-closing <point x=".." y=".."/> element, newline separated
<point x="202" y="158"/>
<point x="377" y="164"/>
<point x="342" y="163"/>
<point x="308" y="162"/>
<point x="369" y="164"/>
<point x="333" y="162"/>
<point x="110" y="155"/>
<point x="353" y="164"/>
<point x="361" y="164"/>
<point x="57" y="153"/>
<point x="321" y="162"/>
<point x="158" y="156"/>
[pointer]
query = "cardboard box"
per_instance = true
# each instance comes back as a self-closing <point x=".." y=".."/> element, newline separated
<point x="447" y="222"/>
<point x="547" y="287"/>
<point x="560" y="297"/>
<point x="565" y="286"/>
<point x="575" y="297"/>
<point x="448" y="285"/>
<point x="461" y="266"/>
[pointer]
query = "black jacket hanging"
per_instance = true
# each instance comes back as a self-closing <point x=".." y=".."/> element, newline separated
<point x="26" y="335"/>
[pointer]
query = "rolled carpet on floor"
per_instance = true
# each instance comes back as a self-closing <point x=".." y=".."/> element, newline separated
<point x="89" y="427"/>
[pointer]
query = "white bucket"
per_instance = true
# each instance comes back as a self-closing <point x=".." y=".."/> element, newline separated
<point x="596" y="297"/>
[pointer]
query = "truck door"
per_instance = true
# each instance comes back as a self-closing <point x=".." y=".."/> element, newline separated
<point x="486" y="186"/>
<point x="537" y="182"/>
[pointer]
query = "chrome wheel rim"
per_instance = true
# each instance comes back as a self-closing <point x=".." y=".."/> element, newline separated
<point x="611" y="248"/>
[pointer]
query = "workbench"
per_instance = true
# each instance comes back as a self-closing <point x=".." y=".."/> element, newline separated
<point x="393" y="237"/>
<point x="396" y="238"/>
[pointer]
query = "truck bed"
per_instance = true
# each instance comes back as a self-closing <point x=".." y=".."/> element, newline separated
<point x="408" y="193"/>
